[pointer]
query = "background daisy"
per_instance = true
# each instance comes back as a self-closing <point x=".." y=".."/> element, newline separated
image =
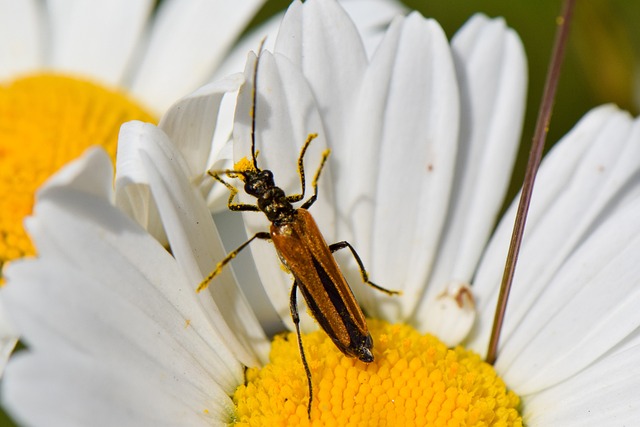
<point x="71" y="72"/>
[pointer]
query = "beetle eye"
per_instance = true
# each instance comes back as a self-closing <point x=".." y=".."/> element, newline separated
<point x="267" y="175"/>
<point x="250" y="187"/>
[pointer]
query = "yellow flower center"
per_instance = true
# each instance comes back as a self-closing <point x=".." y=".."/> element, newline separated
<point x="47" y="120"/>
<point x="415" y="380"/>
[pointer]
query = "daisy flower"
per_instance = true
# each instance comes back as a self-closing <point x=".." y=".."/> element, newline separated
<point x="71" y="72"/>
<point x="422" y="134"/>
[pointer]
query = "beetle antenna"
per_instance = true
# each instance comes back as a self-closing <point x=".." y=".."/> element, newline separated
<point x="254" y="98"/>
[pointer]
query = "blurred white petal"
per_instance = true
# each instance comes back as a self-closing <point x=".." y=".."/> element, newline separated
<point x="372" y="17"/>
<point x="21" y="37"/>
<point x="191" y="122"/>
<point x="96" y="39"/>
<point x="187" y="46"/>
<point x="45" y="391"/>
<point x="8" y="339"/>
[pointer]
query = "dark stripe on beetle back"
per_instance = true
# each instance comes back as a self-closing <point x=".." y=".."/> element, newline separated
<point x="319" y="314"/>
<point x="355" y="336"/>
<point x="320" y="317"/>
<point x="330" y="288"/>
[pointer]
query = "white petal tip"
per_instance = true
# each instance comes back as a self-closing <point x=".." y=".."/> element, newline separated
<point x="452" y="313"/>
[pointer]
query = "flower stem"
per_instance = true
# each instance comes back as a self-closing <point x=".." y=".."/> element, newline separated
<point x="535" y="155"/>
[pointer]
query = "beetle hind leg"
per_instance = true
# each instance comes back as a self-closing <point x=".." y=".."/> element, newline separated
<point x="293" y="305"/>
<point x="363" y="273"/>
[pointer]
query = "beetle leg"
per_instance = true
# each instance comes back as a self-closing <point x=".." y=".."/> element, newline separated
<point x="314" y="183"/>
<point x="293" y="305"/>
<point x="231" y="255"/>
<point x="232" y="192"/>
<point x="365" y="277"/>
<point x="297" y="197"/>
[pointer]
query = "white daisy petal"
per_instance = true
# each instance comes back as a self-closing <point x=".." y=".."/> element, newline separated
<point x="8" y="338"/>
<point x="21" y="37"/>
<point x="587" y="308"/>
<point x="313" y="35"/>
<point x="71" y="228"/>
<point x="132" y="183"/>
<point x="580" y="275"/>
<point x="285" y="115"/>
<point x="45" y="391"/>
<point x="492" y="73"/>
<point x="603" y="394"/>
<point x="112" y="279"/>
<point x="96" y="39"/>
<point x="119" y="331"/>
<point x="575" y="181"/>
<point x="491" y="69"/>
<point x="93" y="175"/>
<point x="190" y="123"/>
<point x="264" y="34"/>
<point x="452" y="313"/>
<point x="409" y="106"/>
<point x="196" y="245"/>
<point x="185" y="47"/>
<point x="191" y="234"/>
<point x="372" y="17"/>
<point x="204" y="142"/>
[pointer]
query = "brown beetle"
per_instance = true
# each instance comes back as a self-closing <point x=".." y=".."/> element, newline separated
<point x="304" y="252"/>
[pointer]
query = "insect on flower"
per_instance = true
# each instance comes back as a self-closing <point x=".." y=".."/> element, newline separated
<point x="304" y="252"/>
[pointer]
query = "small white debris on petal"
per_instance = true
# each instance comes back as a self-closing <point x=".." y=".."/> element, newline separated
<point x="452" y="313"/>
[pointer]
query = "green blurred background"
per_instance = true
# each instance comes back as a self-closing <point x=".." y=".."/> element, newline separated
<point x="601" y="66"/>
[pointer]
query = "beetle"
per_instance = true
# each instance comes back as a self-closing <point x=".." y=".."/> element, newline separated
<point x="304" y="252"/>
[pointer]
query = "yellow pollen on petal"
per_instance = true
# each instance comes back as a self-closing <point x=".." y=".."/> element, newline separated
<point x="415" y="380"/>
<point x="47" y="120"/>
<point x="244" y="164"/>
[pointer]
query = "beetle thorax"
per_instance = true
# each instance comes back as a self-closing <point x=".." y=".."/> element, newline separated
<point x="272" y="200"/>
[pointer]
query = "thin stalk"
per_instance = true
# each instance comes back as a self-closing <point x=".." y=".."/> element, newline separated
<point x="535" y="155"/>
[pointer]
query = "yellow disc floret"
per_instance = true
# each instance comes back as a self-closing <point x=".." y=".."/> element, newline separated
<point x="46" y="121"/>
<point x="415" y="380"/>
